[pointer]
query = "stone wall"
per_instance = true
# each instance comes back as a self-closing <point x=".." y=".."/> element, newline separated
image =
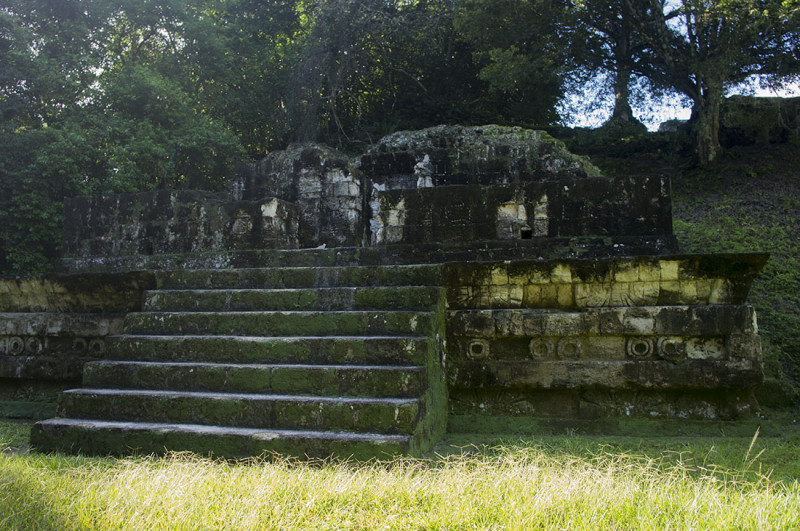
<point x="458" y="155"/>
<point x="437" y="185"/>
<point x="173" y="222"/>
<point x="622" y="207"/>
<point x="51" y="325"/>
<point x="453" y="183"/>
<point x="645" y="336"/>
<point x="631" y="329"/>
<point x="747" y="120"/>
<point x="324" y="186"/>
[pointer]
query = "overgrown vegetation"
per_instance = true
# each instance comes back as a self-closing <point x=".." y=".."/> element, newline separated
<point x="555" y="482"/>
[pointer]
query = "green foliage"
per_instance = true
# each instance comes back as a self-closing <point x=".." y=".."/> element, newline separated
<point x="366" y="69"/>
<point x="153" y="138"/>
<point x="94" y="98"/>
<point x="40" y="167"/>
<point x="522" y="57"/>
<point x="238" y="58"/>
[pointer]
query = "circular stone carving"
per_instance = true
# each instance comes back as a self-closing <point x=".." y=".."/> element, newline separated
<point x="541" y="348"/>
<point x="79" y="344"/>
<point x="33" y="345"/>
<point x="639" y="347"/>
<point x="671" y="349"/>
<point x="478" y="349"/>
<point x="16" y="346"/>
<point x="97" y="346"/>
<point x="570" y="348"/>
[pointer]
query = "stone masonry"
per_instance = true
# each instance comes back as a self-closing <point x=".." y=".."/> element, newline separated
<point x="329" y="305"/>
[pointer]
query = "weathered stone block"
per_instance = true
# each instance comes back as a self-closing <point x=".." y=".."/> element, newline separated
<point x="471" y="155"/>
<point x="595" y="294"/>
<point x="720" y="292"/>
<point x="669" y="270"/>
<point x="627" y="272"/>
<point x="165" y="222"/>
<point x="561" y="274"/>
<point x="87" y="293"/>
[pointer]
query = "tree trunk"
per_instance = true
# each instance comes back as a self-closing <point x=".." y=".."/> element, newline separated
<point x="622" y="107"/>
<point x="705" y="116"/>
<point x="622" y="63"/>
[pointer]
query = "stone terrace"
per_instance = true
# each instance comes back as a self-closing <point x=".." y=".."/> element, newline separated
<point x="445" y="279"/>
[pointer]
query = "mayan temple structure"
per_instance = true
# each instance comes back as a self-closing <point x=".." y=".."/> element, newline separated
<point x="451" y="279"/>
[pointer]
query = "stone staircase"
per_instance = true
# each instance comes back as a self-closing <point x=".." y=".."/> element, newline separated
<point x="303" y="361"/>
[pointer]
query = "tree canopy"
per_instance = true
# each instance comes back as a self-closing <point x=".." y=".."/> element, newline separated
<point x="703" y="47"/>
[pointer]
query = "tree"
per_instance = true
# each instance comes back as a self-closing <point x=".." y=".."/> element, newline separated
<point x="369" y="67"/>
<point x="604" y="40"/>
<point x="706" y="46"/>
<point x="149" y="135"/>
<point x="94" y="97"/>
<point x="521" y="49"/>
<point x="49" y="56"/>
<point x="239" y="56"/>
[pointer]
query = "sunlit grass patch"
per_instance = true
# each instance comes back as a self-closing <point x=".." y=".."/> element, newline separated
<point x="556" y="482"/>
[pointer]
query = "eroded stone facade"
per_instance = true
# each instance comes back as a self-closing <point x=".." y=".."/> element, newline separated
<point x="642" y="329"/>
<point x="553" y="291"/>
<point x="51" y="326"/>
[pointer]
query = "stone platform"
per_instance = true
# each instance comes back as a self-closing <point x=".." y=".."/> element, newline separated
<point x="356" y="307"/>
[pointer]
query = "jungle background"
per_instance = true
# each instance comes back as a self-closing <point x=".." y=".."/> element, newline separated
<point x="109" y="96"/>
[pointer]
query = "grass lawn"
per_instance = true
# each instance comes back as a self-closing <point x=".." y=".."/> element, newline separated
<point x="562" y="482"/>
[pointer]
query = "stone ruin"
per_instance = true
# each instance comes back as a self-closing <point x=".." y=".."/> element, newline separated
<point x="453" y="279"/>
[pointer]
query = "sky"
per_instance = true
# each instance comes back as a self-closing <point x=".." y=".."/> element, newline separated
<point x="593" y="107"/>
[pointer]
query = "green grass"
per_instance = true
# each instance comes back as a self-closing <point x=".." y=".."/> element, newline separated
<point x="14" y="435"/>
<point x="547" y="483"/>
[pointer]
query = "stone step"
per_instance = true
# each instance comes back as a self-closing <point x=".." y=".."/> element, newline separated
<point x="96" y="437"/>
<point x="388" y="254"/>
<point x="365" y="415"/>
<point x="319" y="380"/>
<point x="349" y="350"/>
<point x="321" y="299"/>
<point x="301" y="277"/>
<point x="281" y="323"/>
